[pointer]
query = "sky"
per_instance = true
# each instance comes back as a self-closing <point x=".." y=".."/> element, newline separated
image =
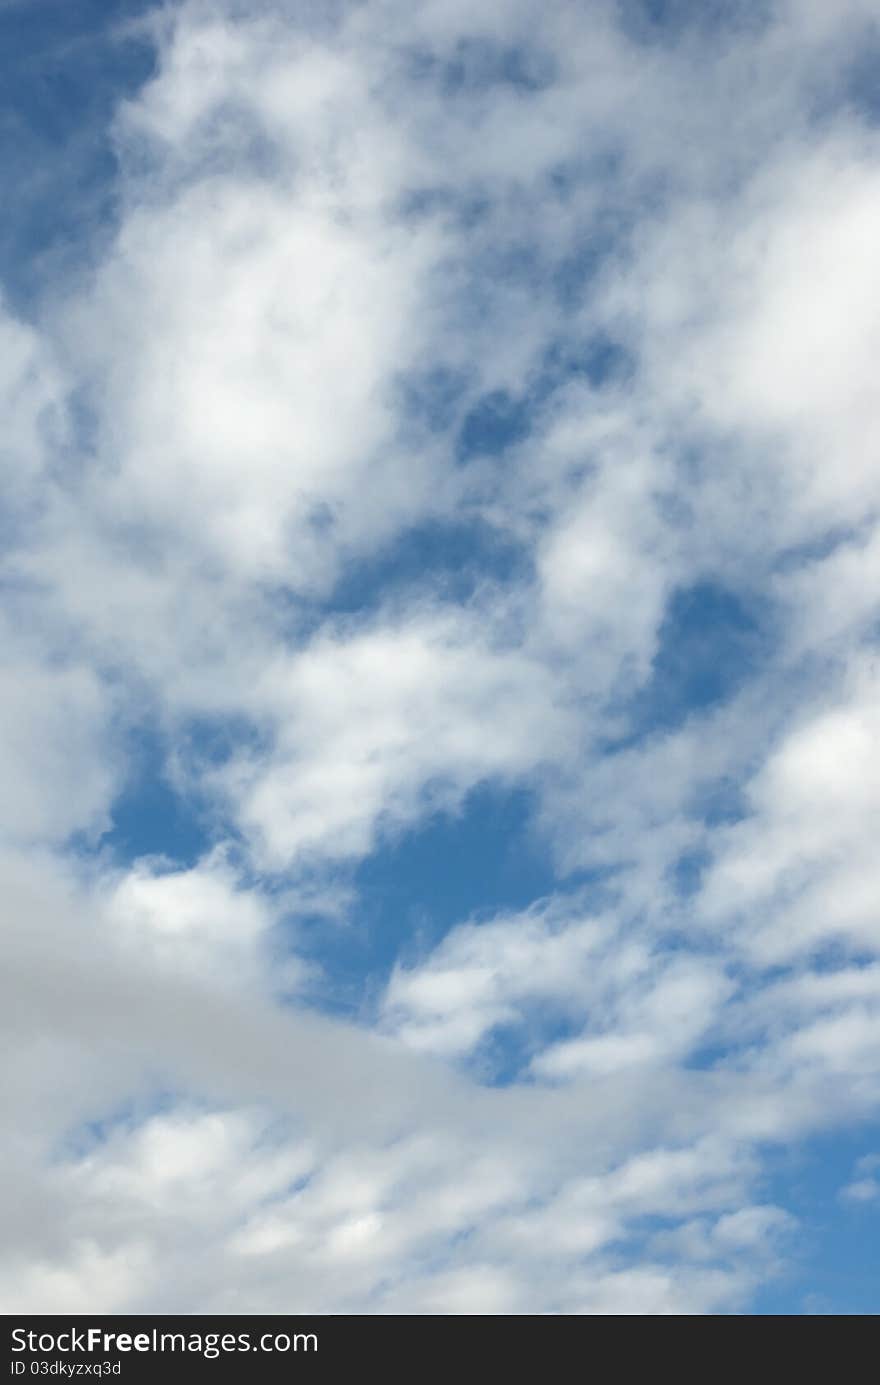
<point x="440" y="696"/>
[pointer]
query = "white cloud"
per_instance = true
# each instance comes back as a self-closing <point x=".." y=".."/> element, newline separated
<point x="802" y="864"/>
<point x="628" y="1003"/>
<point x="376" y="725"/>
<point x="224" y="1210"/>
<point x="58" y="747"/>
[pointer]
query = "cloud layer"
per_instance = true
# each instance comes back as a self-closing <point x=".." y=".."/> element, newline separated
<point x="454" y="401"/>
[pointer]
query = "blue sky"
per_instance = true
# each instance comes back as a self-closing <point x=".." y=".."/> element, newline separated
<point x="440" y="703"/>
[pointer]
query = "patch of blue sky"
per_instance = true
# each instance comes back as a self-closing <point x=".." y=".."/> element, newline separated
<point x="687" y="871"/>
<point x="863" y="86"/>
<point x="414" y="888"/>
<point x="157" y="813"/>
<point x="64" y="68"/>
<point x="151" y="816"/>
<point x="710" y="642"/>
<point x="667" y="22"/>
<point x="496" y="422"/>
<point x="479" y="64"/>
<point x="447" y="560"/>
<point x="853" y="88"/>
<point x="720" y="801"/>
<point x="499" y="420"/>
<point x="835" y="1265"/>
<point x="595" y="357"/>
<point x="504" y="1057"/>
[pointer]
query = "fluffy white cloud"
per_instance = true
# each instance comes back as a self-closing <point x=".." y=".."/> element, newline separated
<point x="232" y="1213"/>
<point x="801" y="870"/>
<point x="376" y="725"/>
<point x="629" y="1003"/>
